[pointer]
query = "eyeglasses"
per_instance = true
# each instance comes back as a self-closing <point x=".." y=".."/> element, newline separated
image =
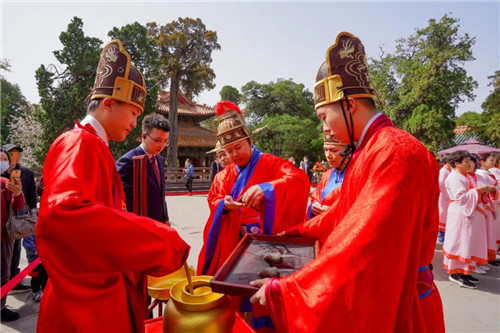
<point x="156" y="140"/>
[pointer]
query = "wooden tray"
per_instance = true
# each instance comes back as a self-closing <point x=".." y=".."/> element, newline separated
<point x="247" y="260"/>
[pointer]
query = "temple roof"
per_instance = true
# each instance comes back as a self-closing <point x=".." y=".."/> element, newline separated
<point x="185" y="106"/>
<point x="196" y="137"/>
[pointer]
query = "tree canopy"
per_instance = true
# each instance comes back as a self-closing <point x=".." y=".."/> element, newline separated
<point x="63" y="92"/>
<point x="185" y="48"/>
<point x="287" y="109"/>
<point x="289" y="135"/>
<point x="277" y="98"/>
<point x="13" y="103"/>
<point x="423" y="82"/>
<point x="230" y="93"/>
<point x="491" y="111"/>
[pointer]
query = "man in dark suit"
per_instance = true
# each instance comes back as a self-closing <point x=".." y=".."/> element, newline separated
<point x="307" y="166"/>
<point x="29" y="191"/>
<point x="155" y="137"/>
<point x="215" y="167"/>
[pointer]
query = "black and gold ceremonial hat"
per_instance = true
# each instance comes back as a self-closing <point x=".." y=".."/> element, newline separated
<point x="117" y="78"/>
<point x="344" y="71"/>
<point x="232" y="127"/>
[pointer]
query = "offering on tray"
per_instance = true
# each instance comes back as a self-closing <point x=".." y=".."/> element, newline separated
<point x="269" y="272"/>
<point x="260" y="256"/>
<point x="273" y="258"/>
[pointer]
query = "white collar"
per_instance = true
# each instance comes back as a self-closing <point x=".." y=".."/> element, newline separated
<point x="97" y="126"/>
<point x="368" y="124"/>
<point x="482" y="171"/>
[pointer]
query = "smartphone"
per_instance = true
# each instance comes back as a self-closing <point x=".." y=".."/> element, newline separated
<point x="14" y="174"/>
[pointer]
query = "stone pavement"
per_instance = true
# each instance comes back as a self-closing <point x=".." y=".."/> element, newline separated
<point x="465" y="310"/>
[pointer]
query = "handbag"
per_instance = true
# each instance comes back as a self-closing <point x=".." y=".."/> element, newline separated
<point x="21" y="226"/>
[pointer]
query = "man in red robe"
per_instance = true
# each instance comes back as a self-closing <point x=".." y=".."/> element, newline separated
<point x="372" y="273"/>
<point x="324" y="194"/>
<point x="258" y="193"/>
<point x="95" y="253"/>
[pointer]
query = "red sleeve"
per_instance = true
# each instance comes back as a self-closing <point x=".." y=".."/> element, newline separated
<point x="291" y="190"/>
<point x="316" y="195"/>
<point x="320" y="226"/>
<point x="18" y="202"/>
<point x="80" y="230"/>
<point x="221" y="186"/>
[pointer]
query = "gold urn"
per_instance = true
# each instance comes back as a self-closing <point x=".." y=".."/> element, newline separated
<point x="159" y="287"/>
<point x="198" y="312"/>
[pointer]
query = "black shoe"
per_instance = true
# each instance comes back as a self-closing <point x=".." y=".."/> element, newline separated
<point x="20" y="288"/>
<point x="9" y="315"/>
<point x="471" y="278"/>
<point x="494" y="263"/>
<point x="463" y="282"/>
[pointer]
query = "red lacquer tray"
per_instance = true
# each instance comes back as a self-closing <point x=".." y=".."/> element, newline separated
<point x="247" y="260"/>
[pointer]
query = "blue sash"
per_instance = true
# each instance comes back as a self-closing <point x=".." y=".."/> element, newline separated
<point x="334" y="181"/>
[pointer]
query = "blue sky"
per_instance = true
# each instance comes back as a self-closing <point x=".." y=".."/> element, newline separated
<point x="260" y="41"/>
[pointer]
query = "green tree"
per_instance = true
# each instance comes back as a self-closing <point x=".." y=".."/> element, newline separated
<point x="282" y="97"/>
<point x="230" y="93"/>
<point x="12" y="103"/>
<point x="424" y="81"/>
<point x="289" y="135"/>
<point x="5" y="64"/>
<point x="469" y="118"/>
<point x="186" y="48"/>
<point x="287" y="109"/>
<point x="491" y="111"/>
<point x="145" y="57"/>
<point x="63" y="92"/>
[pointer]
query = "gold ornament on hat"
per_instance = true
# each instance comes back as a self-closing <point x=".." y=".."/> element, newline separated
<point x="330" y="140"/>
<point x="345" y="71"/>
<point x="117" y="78"/>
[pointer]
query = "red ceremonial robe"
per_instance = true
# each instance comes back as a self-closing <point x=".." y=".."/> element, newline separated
<point x="95" y="253"/>
<point x="325" y="193"/>
<point x="286" y="189"/>
<point x="372" y="273"/>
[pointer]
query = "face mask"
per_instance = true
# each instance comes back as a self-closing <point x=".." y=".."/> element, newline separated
<point x="4" y="165"/>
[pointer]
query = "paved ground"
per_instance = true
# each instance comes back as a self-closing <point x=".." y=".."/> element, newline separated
<point x="465" y="310"/>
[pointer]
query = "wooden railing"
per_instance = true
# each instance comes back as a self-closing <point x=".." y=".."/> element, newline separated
<point x="176" y="175"/>
<point x="172" y="175"/>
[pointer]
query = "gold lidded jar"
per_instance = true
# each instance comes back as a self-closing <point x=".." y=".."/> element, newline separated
<point x="200" y="312"/>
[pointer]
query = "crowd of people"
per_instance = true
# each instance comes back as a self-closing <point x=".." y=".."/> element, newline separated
<point x="469" y="212"/>
<point x="377" y="205"/>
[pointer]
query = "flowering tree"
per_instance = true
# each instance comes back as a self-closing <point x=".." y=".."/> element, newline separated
<point x="26" y="131"/>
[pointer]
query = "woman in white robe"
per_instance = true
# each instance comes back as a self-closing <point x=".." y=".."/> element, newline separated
<point x="495" y="170"/>
<point x="464" y="246"/>
<point x="444" y="198"/>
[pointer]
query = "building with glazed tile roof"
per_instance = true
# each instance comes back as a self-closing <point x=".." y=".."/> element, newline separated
<point x="194" y="140"/>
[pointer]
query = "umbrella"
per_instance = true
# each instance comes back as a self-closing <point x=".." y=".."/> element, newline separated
<point x="472" y="146"/>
